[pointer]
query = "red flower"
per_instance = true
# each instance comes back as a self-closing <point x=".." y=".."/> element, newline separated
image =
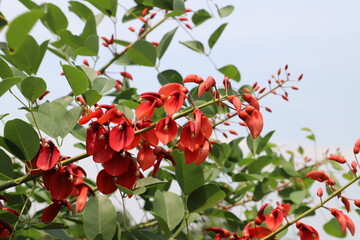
<point x="220" y="233"/>
<point x="259" y="232"/>
<point x="205" y="86"/>
<point x="146" y="109"/>
<point x="81" y="198"/>
<point x="252" y="101"/>
<point x="106" y="153"/>
<point x="118" y="164"/>
<point x="193" y="78"/>
<point x="189" y="138"/>
<point x="121" y="136"/>
<point x="174" y="102"/>
<point x="53" y="209"/>
<point x="202" y="123"/>
<point x="337" y="158"/>
<point x="86" y="118"/>
<point x="307" y="232"/>
<point x="96" y="138"/>
<point x="236" y="102"/>
<point x="149" y="135"/>
<point x="146" y="157"/>
<point x="344" y="221"/>
<point x="274" y="219"/>
<point x="199" y="155"/>
<point x="48" y="156"/>
<point x="254" y="121"/>
<point x="166" y="130"/>
<point x="317" y="175"/>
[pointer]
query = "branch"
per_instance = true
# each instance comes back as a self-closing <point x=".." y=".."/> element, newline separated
<point x="334" y="194"/>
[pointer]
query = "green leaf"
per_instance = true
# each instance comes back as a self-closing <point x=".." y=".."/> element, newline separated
<point x="21" y="139"/>
<point x="33" y="87"/>
<point x="225" y="11"/>
<point x="55" y="120"/>
<point x="99" y="217"/>
<point x="164" y="205"/>
<point x="76" y="78"/>
<point x="263" y="141"/>
<point x="333" y="229"/>
<point x="169" y="76"/>
<point x="5" y="70"/>
<point x="6" y="167"/>
<point x="220" y="153"/>
<point x="189" y="176"/>
<point x="243" y="177"/>
<point x="149" y="182"/>
<point x="20" y="27"/>
<point x="7" y="83"/>
<point x="289" y="168"/>
<point x="91" y="97"/>
<point x="165" y="42"/>
<point x="216" y="35"/>
<point x="108" y="7"/>
<point x="142" y="53"/>
<point x="3" y="115"/>
<point x="133" y="13"/>
<point x="195" y="46"/>
<point x="204" y="197"/>
<point x="178" y="7"/>
<point x="80" y="10"/>
<point x="200" y="16"/>
<point x="231" y="72"/>
<point x="186" y="222"/>
<point x="298" y="196"/>
<point x="103" y="85"/>
<point x="124" y="190"/>
<point x="54" y="18"/>
<point x="90" y="46"/>
<point x="145" y="235"/>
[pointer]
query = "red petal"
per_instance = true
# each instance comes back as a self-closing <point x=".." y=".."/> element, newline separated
<point x="193" y="78"/>
<point x="121" y="136"/>
<point x="167" y="89"/>
<point x="206" y="126"/>
<point x="118" y="164"/>
<point x="145" y="109"/>
<point x="340" y="217"/>
<point x="317" y="175"/>
<point x="255" y="123"/>
<point x="274" y="219"/>
<point x="129" y="178"/>
<point x="151" y="137"/>
<point x="96" y="138"/>
<point x="174" y="102"/>
<point x="60" y="185"/>
<point x="146" y="157"/>
<point x="259" y="232"/>
<point x="189" y="139"/>
<point x="190" y="156"/>
<point x="48" y="156"/>
<point x="350" y="225"/>
<point x="204" y="151"/>
<point x="105" y="182"/>
<point x="307" y="232"/>
<point x="104" y="155"/>
<point x="252" y="101"/>
<point x="166" y="132"/>
<point x="50" y="212"/>
<point x="81" y="199"/>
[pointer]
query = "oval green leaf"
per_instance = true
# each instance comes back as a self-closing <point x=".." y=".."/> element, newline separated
<point x="200" y="16"/>
<point x="21" y="139"/>
<point x="103" y="85"/>
<point x="91" y="97"/>
<point x="231" y="72"/>
<point x="6" y="167"/>
<point x="99" y="218"/>
<point x="169" y="76"/>
<point x="204" y="197"/>
<point x="165" y="42"/>
<point x="33" y="87"/>
<point x="54" y="18"/>
<point x="216" y="35"/>
<point x="189" y="176"/>
<point x="142" y="53"/>
<point x="77" y="79"/>
<point x="169" y="207"/>
<point x="195" y="46"/>
<point x="225" y="11"/>
<point x="20" y="27"/>
<point x="5" y="70"/>
<point x="7" y="83"/>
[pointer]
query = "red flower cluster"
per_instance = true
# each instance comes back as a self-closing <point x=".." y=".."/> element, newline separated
<point x="60" y="181"/>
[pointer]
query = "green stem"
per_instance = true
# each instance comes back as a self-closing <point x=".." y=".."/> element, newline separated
<point x="334" y="194"/>
<point x="22" y="210"/>
<point x="30" y="177"/>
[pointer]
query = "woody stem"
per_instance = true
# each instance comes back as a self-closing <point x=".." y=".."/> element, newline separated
<point x="313" y="209"/>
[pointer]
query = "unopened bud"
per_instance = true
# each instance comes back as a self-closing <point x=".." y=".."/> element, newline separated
<point x="320" y="192"/>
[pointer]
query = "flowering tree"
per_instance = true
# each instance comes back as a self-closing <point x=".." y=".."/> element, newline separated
<point x="145" y="142"/>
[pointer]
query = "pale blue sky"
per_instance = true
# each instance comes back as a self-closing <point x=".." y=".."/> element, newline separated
<point x="318" y="38"/>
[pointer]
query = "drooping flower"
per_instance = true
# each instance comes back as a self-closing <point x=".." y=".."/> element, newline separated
<point x="48" y="156"/>
<point x="344" y="221"/>
<point x="146" y="158"/>
<point x="189" y="138"/>
<point x="53" y="209"/>
<point x="274" y="219"/>
<point x="121" y="136"/>
<point x="317" y="175"/>
<point x="307" y="232"/>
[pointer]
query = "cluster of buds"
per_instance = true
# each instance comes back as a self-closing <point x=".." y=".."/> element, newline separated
<point x="60" y="181"/>
<point x="107" y="42"/>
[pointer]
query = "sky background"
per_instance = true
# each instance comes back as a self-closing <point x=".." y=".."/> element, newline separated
<point x="317" y="38"/>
